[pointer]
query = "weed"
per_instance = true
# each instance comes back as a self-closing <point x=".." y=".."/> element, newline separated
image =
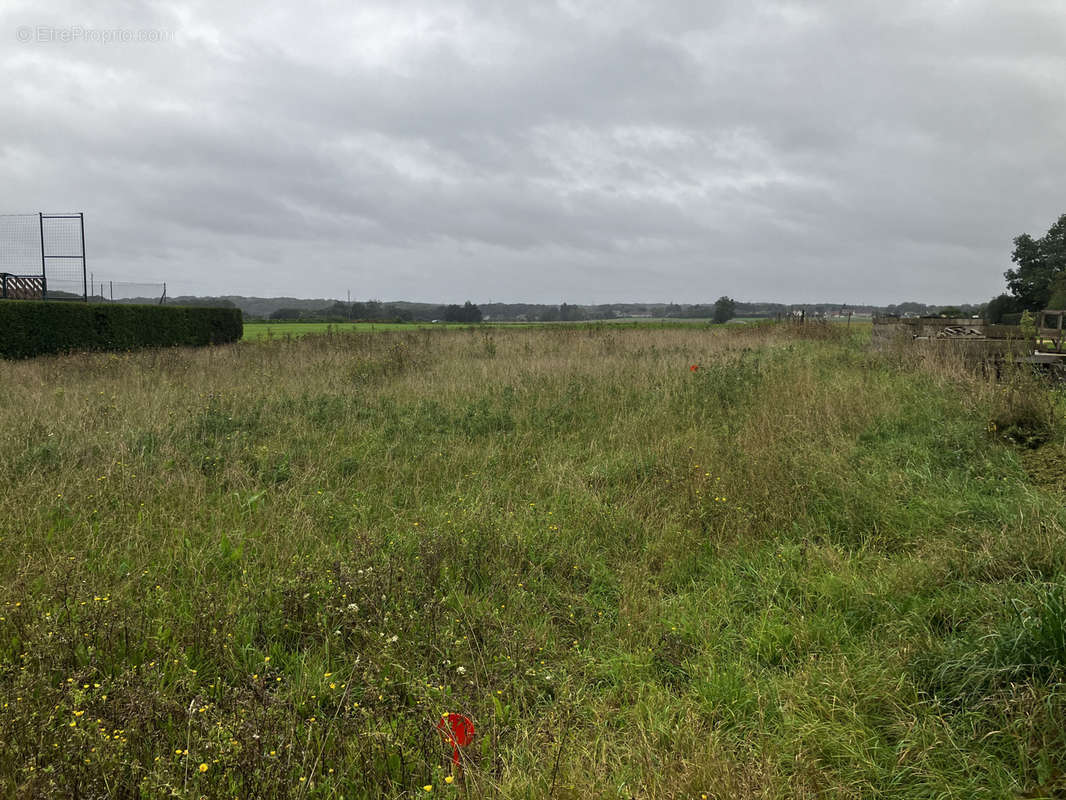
<point x="801" y="569"/>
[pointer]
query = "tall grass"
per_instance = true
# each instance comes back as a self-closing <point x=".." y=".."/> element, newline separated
<point x="800" y="569"/>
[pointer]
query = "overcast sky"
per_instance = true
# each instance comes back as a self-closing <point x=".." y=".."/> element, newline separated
<point x="578" y="150"/>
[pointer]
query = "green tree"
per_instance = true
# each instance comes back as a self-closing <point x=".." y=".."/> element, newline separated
<point x="1057" y="300"/>
<point x="724" y="309"/>
<point x="464" y="313"/>
<point x="951" y="312"/>
<point x="286" y="313"/>
<point x="1040" y="262"/>
<point x="998" y="306"/>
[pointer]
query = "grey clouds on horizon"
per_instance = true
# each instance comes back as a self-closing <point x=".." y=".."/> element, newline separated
<point x="577" y="150"/>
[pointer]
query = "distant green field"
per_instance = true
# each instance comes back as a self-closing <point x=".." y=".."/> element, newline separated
<point x="261" y="330"/>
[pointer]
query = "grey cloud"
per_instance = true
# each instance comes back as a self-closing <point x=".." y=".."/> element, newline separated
<point x="584" y="150"/>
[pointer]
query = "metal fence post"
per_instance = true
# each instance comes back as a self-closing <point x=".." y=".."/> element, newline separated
<point x="44" y="270"/>
<point x="84" y="288"/>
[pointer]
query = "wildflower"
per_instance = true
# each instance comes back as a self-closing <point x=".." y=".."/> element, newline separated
<point x="203" y="768"/>
<point x="449" y="779"/>
<point x="428" y="787"/>
<point x="694" y="367"/>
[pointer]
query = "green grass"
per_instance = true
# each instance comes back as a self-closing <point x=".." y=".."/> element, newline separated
<point x="282" y="330"/>
<point x="267" y="330"/>
<point x="802" y="569"/>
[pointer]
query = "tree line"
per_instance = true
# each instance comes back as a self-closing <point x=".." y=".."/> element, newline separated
<point x="1038" y="280"/>
<point x="376" y="311"/>
<point x="721" y="310"/>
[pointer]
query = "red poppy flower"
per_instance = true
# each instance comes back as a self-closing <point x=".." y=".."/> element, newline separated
<point x="458" y="731"/>
<point x="694" y="367"/>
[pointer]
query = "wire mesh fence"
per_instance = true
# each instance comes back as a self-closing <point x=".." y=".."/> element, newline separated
<point x="108" y="291"/>
<point x="42" y="257"/>
<point x="63" y="250"/>
<point x="20" y="244"/>
<point x="46" y="247"/>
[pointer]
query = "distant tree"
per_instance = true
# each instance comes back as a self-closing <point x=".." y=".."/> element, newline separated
<point x="951" y="312"/>
<point x="724" y="309"/>
<point x="472" y="312"/>
<point x="568" y="313"/>
<point x="1040" y="262"/>
<point x="702" y="311"/>
<point x="286" y="313"/>
<point x="212" y="302"/>
<point x="910" y="307"/>
<point x="467" y="312"/>
<point x="998" y="306"/>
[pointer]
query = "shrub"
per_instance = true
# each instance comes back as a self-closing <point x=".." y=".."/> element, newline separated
<point x="32" y="328"/>
<point x="1024" y="411"/>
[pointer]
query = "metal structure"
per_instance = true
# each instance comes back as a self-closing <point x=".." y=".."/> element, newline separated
<point x="995" y="346"/>
<point x="42" y="256"/>
<point x="1049" y="328"/>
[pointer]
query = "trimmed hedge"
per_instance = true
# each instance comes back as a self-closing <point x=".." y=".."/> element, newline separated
<point x="30" y="328"/>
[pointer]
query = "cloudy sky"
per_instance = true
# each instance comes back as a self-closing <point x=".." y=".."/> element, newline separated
<point x="580" y="150"/>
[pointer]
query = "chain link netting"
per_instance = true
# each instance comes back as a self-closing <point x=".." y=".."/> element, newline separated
<point x="42" y="256"/>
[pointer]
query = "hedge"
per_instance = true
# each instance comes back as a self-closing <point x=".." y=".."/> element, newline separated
<point x="30" y="328"/>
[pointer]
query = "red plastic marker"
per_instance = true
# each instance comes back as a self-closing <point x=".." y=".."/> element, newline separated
<point x="458" y="731"/>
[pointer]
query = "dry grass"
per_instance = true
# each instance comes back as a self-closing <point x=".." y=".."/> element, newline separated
<point x="752" y="579"/>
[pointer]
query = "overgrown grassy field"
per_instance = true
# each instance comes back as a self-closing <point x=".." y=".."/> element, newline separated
<point x="271" y="330"/>
<point x="254" y="331"/>
<point x="265" y="570"/>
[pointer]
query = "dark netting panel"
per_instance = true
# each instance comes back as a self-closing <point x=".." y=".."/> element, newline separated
<point x="64" y="255"/>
